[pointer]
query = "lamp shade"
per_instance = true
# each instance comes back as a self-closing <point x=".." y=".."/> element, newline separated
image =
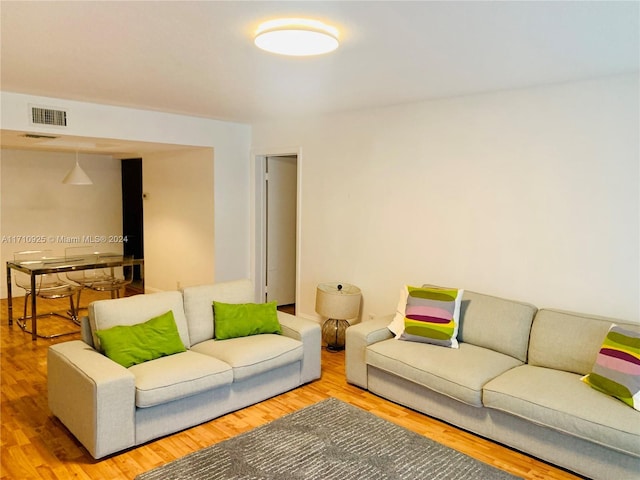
<point x="77" y="176"/>
<point x="338" y="300"/>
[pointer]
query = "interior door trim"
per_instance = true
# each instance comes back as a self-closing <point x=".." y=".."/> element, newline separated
<point x="258" y="216"/>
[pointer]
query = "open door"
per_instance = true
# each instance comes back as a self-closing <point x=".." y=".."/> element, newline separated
<point x="281" y="228"/>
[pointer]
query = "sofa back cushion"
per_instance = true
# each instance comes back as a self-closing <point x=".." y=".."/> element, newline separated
<point x="104" y="314"/>
<point x="198" y="305"/>
<point x="496" y="323"/>
<point x="567" y="341"/>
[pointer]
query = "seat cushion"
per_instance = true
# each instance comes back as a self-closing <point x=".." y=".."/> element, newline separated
<point x="177" y="376"/>
<point x="561" y="401"/>
<point x="253" y="355"/>
<point x="458" y="373"/>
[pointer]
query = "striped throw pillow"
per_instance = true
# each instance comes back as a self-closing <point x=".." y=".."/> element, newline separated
<point x="617" y="368"/>
<point x="432" y="316"/>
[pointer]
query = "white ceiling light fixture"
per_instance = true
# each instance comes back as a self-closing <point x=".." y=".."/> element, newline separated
<point x="296" y="37"/>
<point x="77" y="176"/>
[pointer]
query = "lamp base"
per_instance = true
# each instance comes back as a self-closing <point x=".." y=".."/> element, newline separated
<point x="333" y="348"/>
<point x="333" y="334"/>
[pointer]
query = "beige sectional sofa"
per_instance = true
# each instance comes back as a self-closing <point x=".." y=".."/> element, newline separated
<point x="515" y="378"/>
<point x="110" y="408"/>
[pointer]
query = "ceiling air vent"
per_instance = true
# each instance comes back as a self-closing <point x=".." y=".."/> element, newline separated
<point x="48" y="116"/>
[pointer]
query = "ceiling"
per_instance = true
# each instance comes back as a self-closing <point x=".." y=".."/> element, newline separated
<point x="197" y="57"/>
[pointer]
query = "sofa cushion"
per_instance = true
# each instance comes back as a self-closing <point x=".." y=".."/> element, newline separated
<point x="253" y="355"/>
<point x="432" y="316"/>
<point x="133" y="344"/>
<point x="567" y="340"/>
<point x="232" y="320"/>
<point x="559" y="400"/>
<point x="458" y="373"/>
<point x="181" y="375"/>
<point x="617" y="368"/>
<point x="496" y="323"/>
<point x="105" y="314"/>
<point x="198" y="306"/>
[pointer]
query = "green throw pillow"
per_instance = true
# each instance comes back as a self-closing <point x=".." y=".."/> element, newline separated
<point x="130" y="345"/>
<point x="232" y="320"/>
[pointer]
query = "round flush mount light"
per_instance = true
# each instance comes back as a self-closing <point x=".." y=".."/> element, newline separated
<point x="296" y="37"/>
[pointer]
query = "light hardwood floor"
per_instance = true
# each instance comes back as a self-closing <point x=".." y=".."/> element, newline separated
<point x="35" y="445"/>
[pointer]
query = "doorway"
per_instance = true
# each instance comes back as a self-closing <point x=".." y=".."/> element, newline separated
<point x="132" y="216"/>
<point x="277" y="229"/>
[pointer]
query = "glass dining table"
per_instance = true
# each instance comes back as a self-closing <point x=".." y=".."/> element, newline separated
<point x="53" y="266"/>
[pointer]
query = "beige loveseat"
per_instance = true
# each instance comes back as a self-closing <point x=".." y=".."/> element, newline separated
<point x="515" y="378"/>
<point x="110" y="408"/>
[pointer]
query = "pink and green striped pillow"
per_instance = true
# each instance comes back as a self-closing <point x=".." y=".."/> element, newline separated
<point x="617" y="368"/>
<point x="432" y="316"/>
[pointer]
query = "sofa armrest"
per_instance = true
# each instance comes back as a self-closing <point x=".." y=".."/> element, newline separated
<point x="309" y="333"/>
<point x="358" y="337"/>
<point x="85" y="329"/>
<point x="93" y="396"/>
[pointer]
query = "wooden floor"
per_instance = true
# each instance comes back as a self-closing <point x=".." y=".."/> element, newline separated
<point x="35" y="445"/>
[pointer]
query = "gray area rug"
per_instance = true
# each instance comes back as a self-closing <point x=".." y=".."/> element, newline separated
<point x="325" y="441"/>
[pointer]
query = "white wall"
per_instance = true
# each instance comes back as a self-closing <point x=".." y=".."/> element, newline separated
<point x="231" y="142"/>
<point x="528" y="194"/>
<point x="39" y="212"/>
<point x="178" y="213"/>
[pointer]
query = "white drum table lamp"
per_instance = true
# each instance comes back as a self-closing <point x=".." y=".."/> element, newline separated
<point x="338" y="302"/>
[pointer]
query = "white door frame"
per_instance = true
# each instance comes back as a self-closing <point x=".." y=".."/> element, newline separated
<point x="258" y="216"/>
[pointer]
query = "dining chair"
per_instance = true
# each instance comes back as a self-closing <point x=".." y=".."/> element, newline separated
<point x="84" y="278"/>
<point x="113" y="278"/>
<point x="47" y="286"/>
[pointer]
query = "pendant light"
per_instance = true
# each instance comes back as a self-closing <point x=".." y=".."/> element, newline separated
<point x="77" y="176"/>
